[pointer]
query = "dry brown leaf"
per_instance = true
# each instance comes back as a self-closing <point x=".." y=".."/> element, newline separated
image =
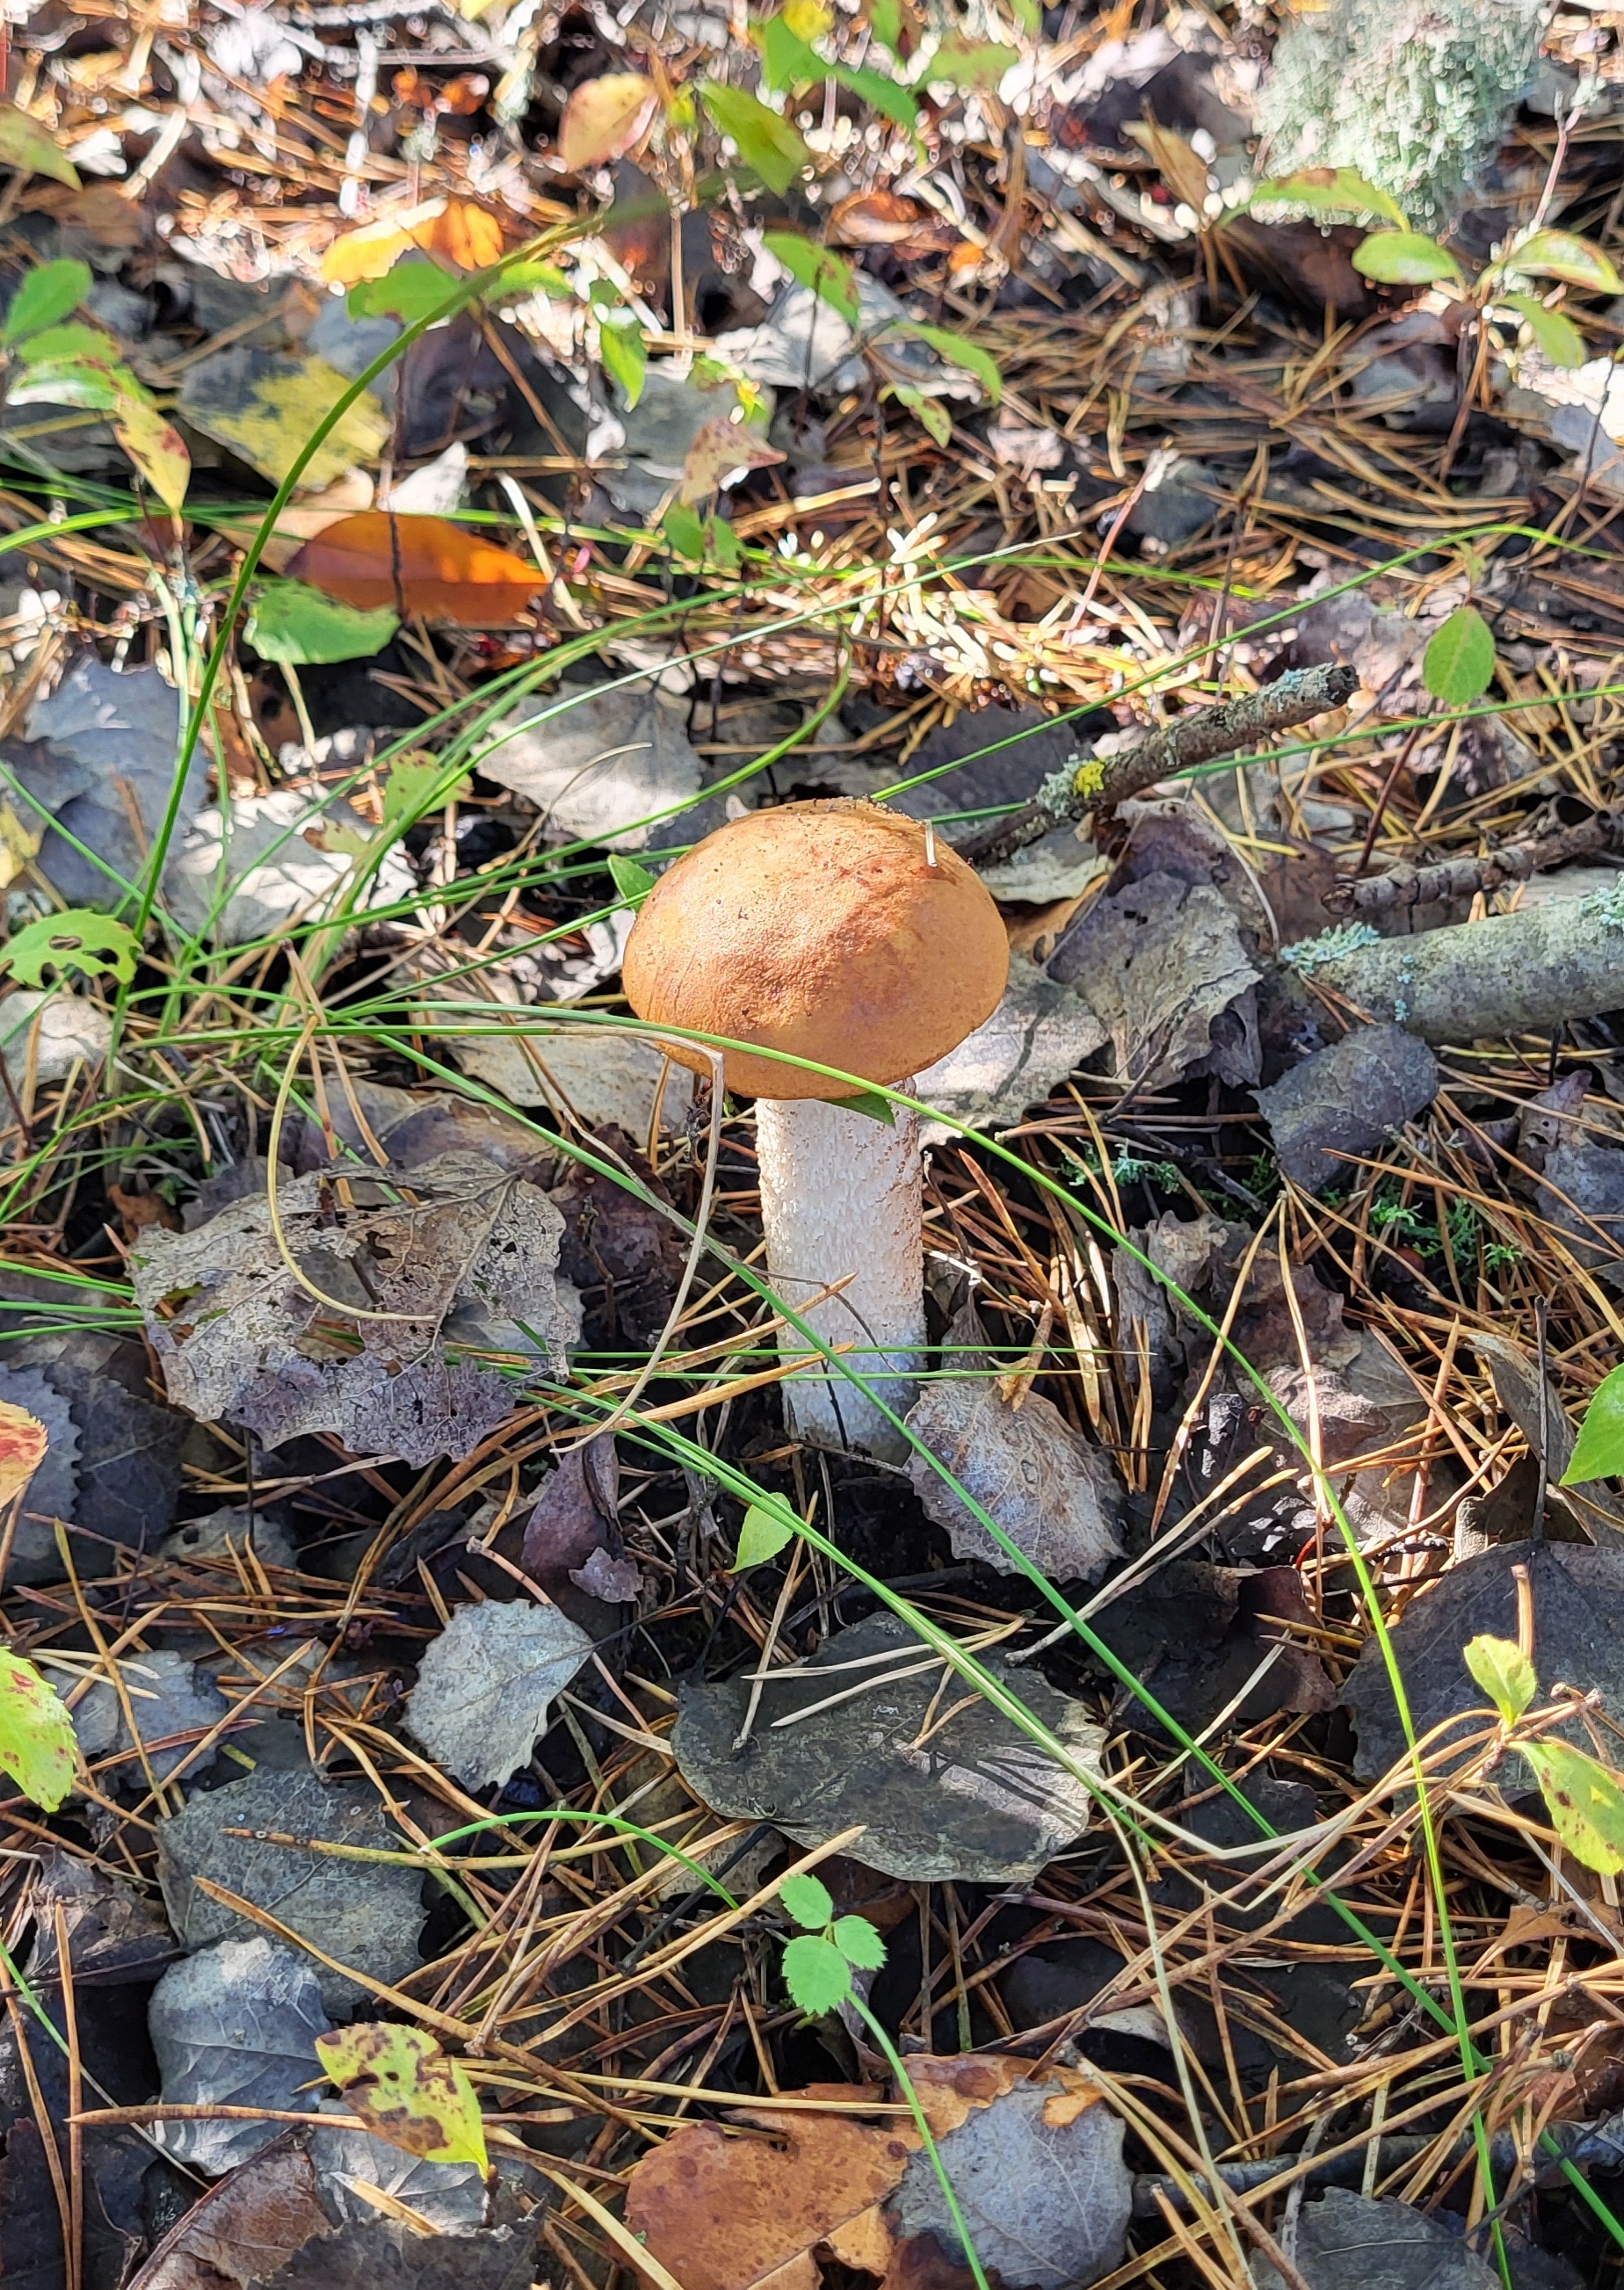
<point x="603" y="118"/>
<point x="724" y="2210"/>
<point x="719" y="448"/>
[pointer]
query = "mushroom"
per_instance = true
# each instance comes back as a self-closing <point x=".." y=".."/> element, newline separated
<point x="846" y="934"/>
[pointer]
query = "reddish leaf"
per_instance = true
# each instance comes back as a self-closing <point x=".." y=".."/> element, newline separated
<point x="416" y="564"/>
<point x="603" y="118"/>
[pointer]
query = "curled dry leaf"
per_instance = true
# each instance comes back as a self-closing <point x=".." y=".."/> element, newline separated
<point x="416" y="564"/>
<point x="1054" y="1495"/>
<point x="343" y="1338"/>
<point x="603" y="118"/>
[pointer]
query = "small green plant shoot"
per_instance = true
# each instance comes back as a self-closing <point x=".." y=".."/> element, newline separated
<point x="1583" y="1798"/>
<point x="1598" y="1452"/>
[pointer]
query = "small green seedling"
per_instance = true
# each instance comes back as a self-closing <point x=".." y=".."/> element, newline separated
<point x="1598" y="1452"/>
<point x="819" y="1963"/>
<point x="1583" y="1798"/>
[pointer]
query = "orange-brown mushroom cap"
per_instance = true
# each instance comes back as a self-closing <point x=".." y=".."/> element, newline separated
<point x="837" y="932"/>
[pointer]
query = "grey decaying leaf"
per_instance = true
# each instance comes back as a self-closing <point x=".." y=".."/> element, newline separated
<point x="278" y="864"/>
<point x="365" y="1913"/>
<point x="1355" y="2242"/>
<point x="51" y="1032"/>
<point x="1340" y="1103"/>
<point x="236" y="2024"/>
<point x="451" y="2196"/>
<point x="613" y="1580"/>
<point x="1579" y="1600"/>
<point x="1038" y="1034"/>
<point x="1053" y="1494"/>
<point x="1039" y="2176"/>
<point x="594" y="762"/>
<point x="974" y="1801"/>
<point x="242" y="1338"/>
<point x="167" y="1695"/>
<point x="1163" y="965"/>
<point x="484" y="1686"/>
<point x="604" y="1076"/>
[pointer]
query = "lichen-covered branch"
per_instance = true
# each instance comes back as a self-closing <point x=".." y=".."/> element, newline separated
<point x="1524" y="973"/>
<point x="1405" y="887"/>
<point x="1089" y="783"/>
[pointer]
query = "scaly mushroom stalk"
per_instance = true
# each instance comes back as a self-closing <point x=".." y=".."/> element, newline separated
<point x="842" y="1203"/>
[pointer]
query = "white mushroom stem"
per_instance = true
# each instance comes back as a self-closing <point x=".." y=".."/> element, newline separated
<point x="841" y="1202"/>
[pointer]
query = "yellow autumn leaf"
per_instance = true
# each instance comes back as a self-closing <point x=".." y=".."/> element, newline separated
<point x="30" y="147"/>
<point x="603" y="118"/>
<point x="156" y="447"/>
<point x="264" y="406"/>
<point x="406" y="2089"/>
<point x="37" y="1747"/>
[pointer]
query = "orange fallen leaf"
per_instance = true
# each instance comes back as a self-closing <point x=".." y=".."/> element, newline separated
<point x="458" y="232"/>
<point x="416" y="564"/>
<point x="23" y="1441"/>
<point x="726" y="2212"/>
<point x="603" y="118"/>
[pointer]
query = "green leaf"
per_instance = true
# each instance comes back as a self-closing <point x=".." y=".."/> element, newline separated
<point x="885" y="22"/>
<point x="1585" y="1803"/>
<point x="1458" y="662"/>
<point x="787" y="59"/>
<point x="406" y="2090"/>
<point x="859" y="1943"/>
<point x="871" y="1105"/>
<point x="816" y="1974"/>
<point x="771" y="147"/>
<point x="66" y="382"/>
<point x="1504" y="1673"/>
<point x="762" y="1536"/>
<point x="416" y="784"/>
<point x="684" y="530"/>
<point x="632" y="881"/>
<point x="1598" y="1452"/>
<point x="37" y="1747"/>
<point x="929" y="413"/>
<point x="45" y="296"/>
<point x="808" y="1900"/>
<point x="1557" y="337"/>
<point x="55" y="343"/>
<point x="883" y="94"/>
<point x="1403" y="257"/>
<point x="723" y="543"/>
<point x="532" y="276"/>
<point x="621" y="347"/>
<point x="299" y="627"/>
<point x="27" y="146"/>
<point x="971" y="63"/>
<point x="1325" y="191"/>
<point x="94" y="945"/>
<point x="960" y="351"/>
<point x="1563" y="254"/>
<point x="411" y="289"/>
<point x="828" y="275"/>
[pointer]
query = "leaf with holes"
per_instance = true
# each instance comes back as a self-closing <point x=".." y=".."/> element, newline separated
<point x="762" y="1536"/>
<point x="1598" y="1452"/>
<point x="46" y="296"/>
<point x="1505" y="1673"/>
<point x="1557" y="338"/>
<point x="1403" y="257"/>
<point x="1458" y="665"/>
<point x="297" y="627"/>
<point x="828" y="275"/>
<point x="1563" y="254"/>
<point x="771" y="147"/>
<point x="37" y="1747"/>
<point x="405" y="2090"/>
<point x="1585" y="1803"/>
<point x="1325" y="192"/>
<point x="808" y="1900"/>
<point x="93" y="945"/>
<point x="27" y="146"/>
<point x="603" y="118"/>
<point x="417" y="565"/>
<point x="816" y="1974"/>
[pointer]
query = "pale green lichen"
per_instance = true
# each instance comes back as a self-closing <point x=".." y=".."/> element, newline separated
<point x="1412" y="94"/>
<point x="1607" y="907"/>
<point x="1331" y="946"/>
